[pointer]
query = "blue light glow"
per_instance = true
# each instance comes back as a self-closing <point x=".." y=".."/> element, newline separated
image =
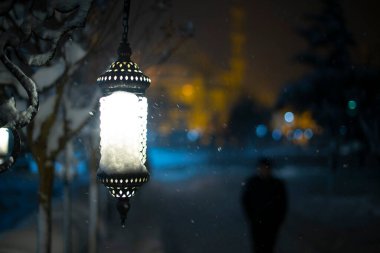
<point x="308" y="133"/>
<point x="58" y="167"/>
<point x="33" y="166"/>
<point x="289" y="117"/>
<point x="298" y="133"/>
<point x="193" y="135"/>
<point x="261" y="130"/>
<point x="171" y="165"/>
<point x="276" y="134"/>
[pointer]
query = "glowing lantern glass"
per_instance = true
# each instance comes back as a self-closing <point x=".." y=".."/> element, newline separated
<point x="123" y="126"/>
<point x="9" y="147"/>
<point x="4" y="142"/>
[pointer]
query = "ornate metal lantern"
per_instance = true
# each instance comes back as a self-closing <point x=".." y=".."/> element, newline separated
<point x="123" y="125"/>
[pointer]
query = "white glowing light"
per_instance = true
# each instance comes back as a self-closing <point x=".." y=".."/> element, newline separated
<point x="4" y="141"/>
<point x="123" y="120"/>
<point x="289" y="117"/>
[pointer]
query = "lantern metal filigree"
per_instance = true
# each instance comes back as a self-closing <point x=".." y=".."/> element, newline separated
<point x="123" y="125"/>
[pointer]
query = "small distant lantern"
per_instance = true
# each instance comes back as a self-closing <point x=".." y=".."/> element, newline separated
<point x="4" y="143"/>
<point x="9" y="147"/>
<point x="123" y="125"/>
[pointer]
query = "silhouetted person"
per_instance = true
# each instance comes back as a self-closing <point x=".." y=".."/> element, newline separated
<point x="265" y="203"/>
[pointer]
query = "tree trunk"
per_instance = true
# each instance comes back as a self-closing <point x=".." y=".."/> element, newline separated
<point x="67" y="200"/>
<point x="44" y="229"/>
<point x="93" y="206"/>
<point x="66" y="218"/>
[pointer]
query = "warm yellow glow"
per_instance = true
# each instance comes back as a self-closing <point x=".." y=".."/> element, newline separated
<point x="4" y="141"/>
<point x="207" y="92"/>
<point x="123" y="120"/>
<point x="302" y="121"/>
<point x="305" y="120"/>
<point x="187" y="90"/>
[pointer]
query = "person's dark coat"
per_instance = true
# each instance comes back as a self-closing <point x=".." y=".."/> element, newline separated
<point x="265" y="203"/>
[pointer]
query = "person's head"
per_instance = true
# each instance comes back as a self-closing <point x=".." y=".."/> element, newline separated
<point x="264" y="168"/>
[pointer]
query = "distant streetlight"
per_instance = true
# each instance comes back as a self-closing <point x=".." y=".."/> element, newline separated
<point x="261" y="130"/>
<point x="123" y="125"/>
<point x="308" y="133"/>
<point x="276" y="134"/>
<point x="352" y="104"/>
<point x="297" y="134"/>
<point x="289" y="117"/>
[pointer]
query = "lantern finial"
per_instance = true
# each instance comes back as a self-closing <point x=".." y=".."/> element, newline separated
<point x="123" y="206"/>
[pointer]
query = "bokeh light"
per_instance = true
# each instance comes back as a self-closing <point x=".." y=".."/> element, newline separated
<point x="187" y="90"/>
<point x="298" y="133"/>
<point x="352" y="105"/>
<point x="261" y="130"/>
<point x="193" y="135"/>
<point x="276" y="134"/>
<point x="308" y="133"/>
<point x="289" y="117"/>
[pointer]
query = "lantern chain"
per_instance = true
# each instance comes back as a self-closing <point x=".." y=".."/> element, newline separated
<point x="127" y="4"/>
<point x="124" y="50"/>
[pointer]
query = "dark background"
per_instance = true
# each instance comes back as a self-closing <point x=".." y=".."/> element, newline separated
<point x="209" y="123"/>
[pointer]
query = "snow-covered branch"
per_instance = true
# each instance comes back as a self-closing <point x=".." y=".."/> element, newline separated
<point x="33" y="27"/>
<point x="78" y="10"/>
<point x="11" y="117"/>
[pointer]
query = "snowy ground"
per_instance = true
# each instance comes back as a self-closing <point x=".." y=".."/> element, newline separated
<point x="193" y="205"/>
<point x="204" y="215"/>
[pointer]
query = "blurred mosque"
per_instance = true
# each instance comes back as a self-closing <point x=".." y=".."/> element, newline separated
<point x="196" y="97"/>
<point x="199" y="98"/>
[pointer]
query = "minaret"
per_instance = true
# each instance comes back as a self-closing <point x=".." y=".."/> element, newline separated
<point x="238" y="39"/>
<point x="234" y="77"/>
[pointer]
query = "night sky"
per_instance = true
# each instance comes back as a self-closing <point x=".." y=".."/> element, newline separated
<point x="271" y="37"/>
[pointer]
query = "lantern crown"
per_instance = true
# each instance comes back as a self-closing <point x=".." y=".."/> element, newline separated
<point x="123" y="75"/>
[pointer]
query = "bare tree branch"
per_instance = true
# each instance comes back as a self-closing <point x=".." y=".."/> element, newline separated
<point x="14" y="118"/>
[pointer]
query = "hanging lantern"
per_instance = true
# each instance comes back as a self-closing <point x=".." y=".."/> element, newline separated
<point x="9" y="147"/>
<point x="4" y="143"/>
<point x="123" y="125"/>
